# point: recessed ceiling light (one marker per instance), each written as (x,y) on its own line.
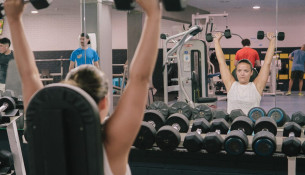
(256,7)
(34,12)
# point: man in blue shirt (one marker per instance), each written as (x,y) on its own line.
(297,70)
(84,54)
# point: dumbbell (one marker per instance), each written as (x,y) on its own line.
(264,140)
(152,122)
(291,146)
(193,141)
(202,111)
(154,118)
(6,104)
(278,115)
(169,5)
(159,106)
(261,35)
(220,113)
(181,108)
(298,117)
(256,113)
(168,137)
(209,36)
(38,4)
(236,113)
(213,141)
(236,142)
(6,162)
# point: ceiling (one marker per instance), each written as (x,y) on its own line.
(59,7)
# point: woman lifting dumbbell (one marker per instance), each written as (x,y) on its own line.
(243,94)
(121,128)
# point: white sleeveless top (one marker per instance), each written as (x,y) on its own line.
(107,169)
(243,97)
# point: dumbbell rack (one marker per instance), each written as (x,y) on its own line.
(14,142)
(290,160)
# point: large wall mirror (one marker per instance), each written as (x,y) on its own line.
(289,21)
(245,19)
(63,20)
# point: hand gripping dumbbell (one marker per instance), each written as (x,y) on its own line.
(298,117)
(236,141)
(169,5)
(256,113)
(152,122)
(261,35)
(264,140)
(278,115)
(202,111)
(209,36)
(236,113)
(291,146)
(38,4)
(6,104)
(193,141)
(213,141)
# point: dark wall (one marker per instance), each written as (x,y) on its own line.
(120,57)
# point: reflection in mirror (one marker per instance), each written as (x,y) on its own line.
(245,19)
(287,81)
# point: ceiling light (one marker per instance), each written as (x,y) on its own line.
(256,7)
(34,12)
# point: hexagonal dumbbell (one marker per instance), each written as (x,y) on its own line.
(202,111)
(193,141)
(278,115)
(152,122)
(213,141)
(236,141)
(264,140)
(291,146)
(168,137)
(236,113)
(219,113)
(256,113)
(298,117)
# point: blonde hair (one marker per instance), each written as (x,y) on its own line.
(90,79)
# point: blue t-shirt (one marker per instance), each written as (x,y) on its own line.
(298,60)
(78,55)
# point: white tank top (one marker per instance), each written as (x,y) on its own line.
(243,97)
(107,169)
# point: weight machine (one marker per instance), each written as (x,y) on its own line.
(190,56)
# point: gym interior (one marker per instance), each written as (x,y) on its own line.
(53,33)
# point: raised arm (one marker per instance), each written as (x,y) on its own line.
(122,127)
(24,57)
(261,80)
(226,75)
